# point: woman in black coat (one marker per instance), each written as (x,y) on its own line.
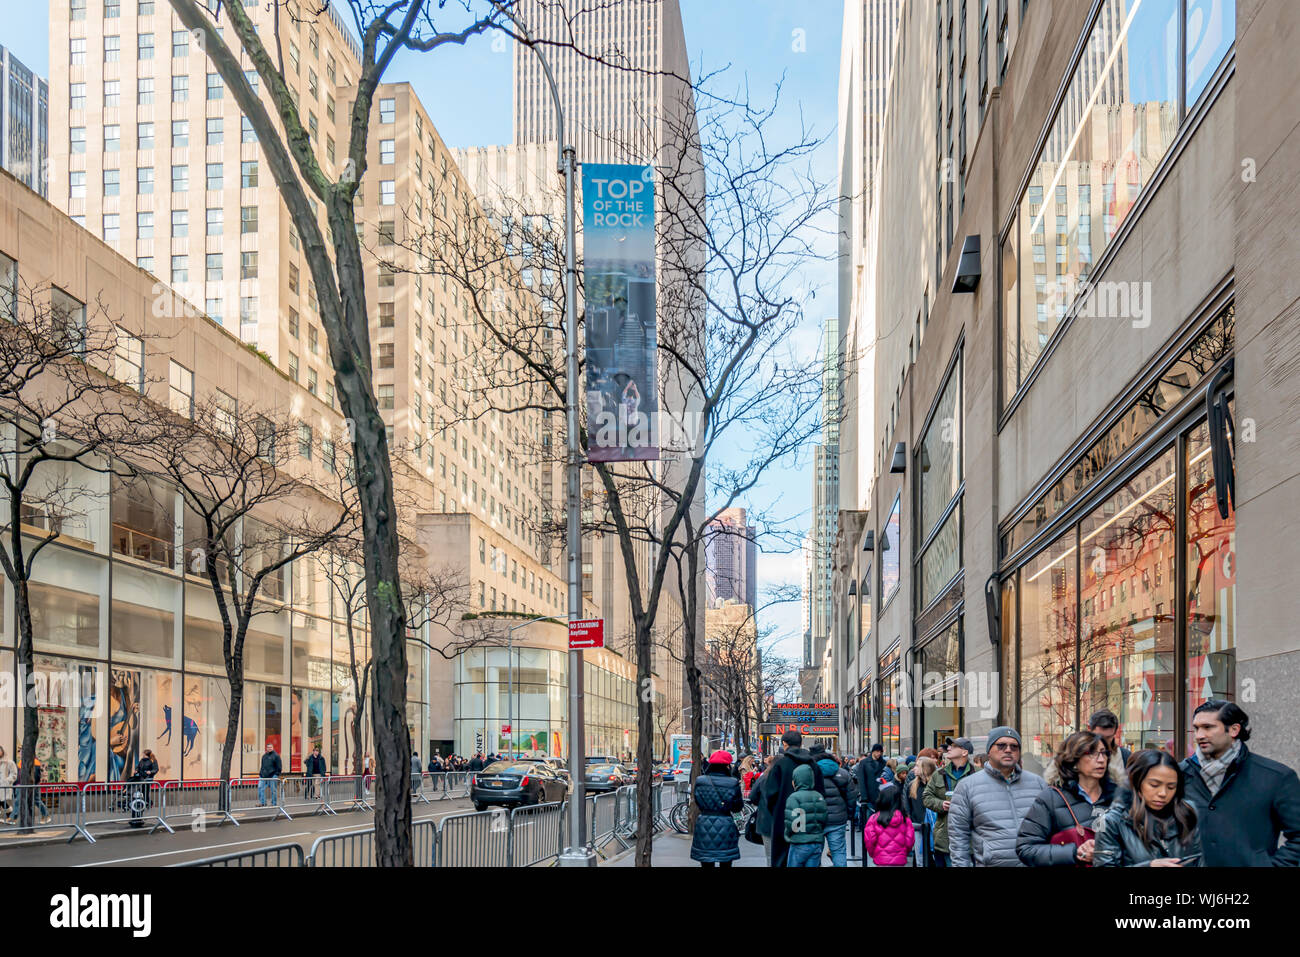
(717,794)
(1079,792)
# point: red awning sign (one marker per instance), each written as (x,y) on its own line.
(587,633)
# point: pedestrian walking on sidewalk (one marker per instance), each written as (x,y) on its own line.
(1061,827)
(938,792)
(889,833)
(988,807)
(841,798)
(778,785)
(1245,801)
(268,776)
(1151,824)
(805,819)
(716,840)
(914,807)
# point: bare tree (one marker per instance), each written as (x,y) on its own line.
(338,270)
(62,413)
(251,511)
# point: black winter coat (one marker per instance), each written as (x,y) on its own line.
(271,766)
(867,773)
(1258,802)
(716,837)
(1050,814)
(777,788)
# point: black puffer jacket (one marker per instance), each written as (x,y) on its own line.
(841,792)
(716,838)
(1051,814)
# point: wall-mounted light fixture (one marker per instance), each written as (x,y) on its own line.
(968,266)
(900,458)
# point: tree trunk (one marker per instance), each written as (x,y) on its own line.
(644,746)
(235,677)
(374,483)
(26,806)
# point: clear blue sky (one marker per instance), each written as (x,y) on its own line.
(467,93)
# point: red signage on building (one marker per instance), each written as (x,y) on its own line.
(587,633)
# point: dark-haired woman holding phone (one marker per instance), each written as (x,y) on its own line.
(1158,827)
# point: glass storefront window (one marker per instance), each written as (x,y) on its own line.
(890,549)
(940,561)
(1211,584)
(890,711)
(938,457)
(66,597)
(145,612)
(1211,31)
(939,690)
(1048,593)
(1117,119)
(1127,559)
(143,518)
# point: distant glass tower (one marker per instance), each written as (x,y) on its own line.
(24,123)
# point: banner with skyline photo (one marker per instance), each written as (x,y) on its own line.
(619,274)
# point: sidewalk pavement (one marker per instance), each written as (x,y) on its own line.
(674,850)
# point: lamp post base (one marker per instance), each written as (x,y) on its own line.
(578,857)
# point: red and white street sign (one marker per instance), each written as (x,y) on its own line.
(505,729)
(587,633)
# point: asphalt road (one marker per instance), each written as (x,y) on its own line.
(129,848)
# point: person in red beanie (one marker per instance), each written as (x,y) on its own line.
(716,841)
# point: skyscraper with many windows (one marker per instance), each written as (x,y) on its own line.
(24,123)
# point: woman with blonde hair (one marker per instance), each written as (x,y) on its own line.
(915,806)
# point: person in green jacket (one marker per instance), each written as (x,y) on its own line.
(938,792)
(805,820)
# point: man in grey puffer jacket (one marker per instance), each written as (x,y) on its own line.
(988,807)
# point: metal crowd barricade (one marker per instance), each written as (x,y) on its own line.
(474,839)
(305,793)
(424,841)
(191,798)
(277,855)
(418,795)
(536,834)
(349,849)
(344,792)
(33,809)
(367,791)
(603,812)
(133,803)
(248,795)
(456,784)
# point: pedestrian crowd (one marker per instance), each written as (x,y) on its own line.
(1097,804)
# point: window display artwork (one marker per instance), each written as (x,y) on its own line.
(123,724)
(86,743)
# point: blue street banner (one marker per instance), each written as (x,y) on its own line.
(619,280)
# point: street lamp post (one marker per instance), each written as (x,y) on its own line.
(579,853)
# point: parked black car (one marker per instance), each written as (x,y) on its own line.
(606,777)
(516,783)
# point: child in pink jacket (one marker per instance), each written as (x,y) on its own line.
(889,834)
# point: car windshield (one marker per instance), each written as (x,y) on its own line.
(508,767)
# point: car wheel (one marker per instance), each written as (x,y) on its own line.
(480,806)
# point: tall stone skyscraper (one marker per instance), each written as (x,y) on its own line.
(619,68)
(24,123)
